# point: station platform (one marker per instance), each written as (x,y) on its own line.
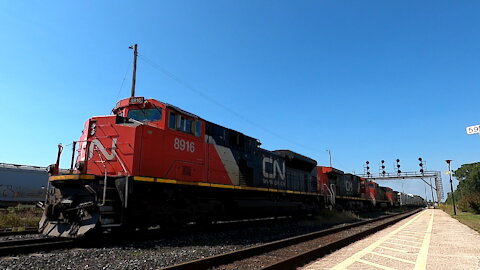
(430,239)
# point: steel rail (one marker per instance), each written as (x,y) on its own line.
(10,232)
(227,258)
(32,245)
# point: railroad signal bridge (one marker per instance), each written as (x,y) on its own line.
(437,175)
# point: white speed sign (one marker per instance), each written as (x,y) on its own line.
(473,129)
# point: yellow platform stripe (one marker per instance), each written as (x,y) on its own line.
(392,257)
(375,265)
(418,237)
(422,257)
(411,241)
(71,177)
(393,249)
(399,244)
(357,256)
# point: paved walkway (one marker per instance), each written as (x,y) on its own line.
(430,239)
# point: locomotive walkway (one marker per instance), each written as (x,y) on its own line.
(430,239)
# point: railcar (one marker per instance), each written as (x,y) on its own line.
(22,184)
(410,200)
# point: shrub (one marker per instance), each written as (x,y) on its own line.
(470,202)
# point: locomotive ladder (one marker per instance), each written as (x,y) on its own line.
(330,196)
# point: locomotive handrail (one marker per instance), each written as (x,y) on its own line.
(332,197)
(104,180)
(126,177)
(332,186)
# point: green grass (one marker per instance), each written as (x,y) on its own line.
(470,219)
(20,217)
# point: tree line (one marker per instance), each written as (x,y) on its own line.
(467,194)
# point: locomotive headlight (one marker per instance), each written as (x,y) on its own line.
(80,166)
(93,128)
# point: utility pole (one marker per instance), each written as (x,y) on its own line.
(451,186)
(330,155)
(134,75)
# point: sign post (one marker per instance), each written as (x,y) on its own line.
(451,186)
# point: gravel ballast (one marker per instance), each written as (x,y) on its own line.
(154,254)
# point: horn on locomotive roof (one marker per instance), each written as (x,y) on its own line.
(134,75)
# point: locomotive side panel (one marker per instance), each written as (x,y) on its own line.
(171,154)
(106,146)
(348,185)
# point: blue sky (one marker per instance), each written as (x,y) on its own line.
(370,80)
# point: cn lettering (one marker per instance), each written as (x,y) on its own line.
(276,169)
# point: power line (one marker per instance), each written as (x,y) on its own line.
(200,93)
(123,81)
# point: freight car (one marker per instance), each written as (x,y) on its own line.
(22,184)
(411,200)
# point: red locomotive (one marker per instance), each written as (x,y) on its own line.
(150,163)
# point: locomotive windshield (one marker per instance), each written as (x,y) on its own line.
(146,115)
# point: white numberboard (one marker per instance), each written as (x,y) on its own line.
(473,129)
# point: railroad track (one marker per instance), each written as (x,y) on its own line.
(28,230)
(13,247)
(295,251)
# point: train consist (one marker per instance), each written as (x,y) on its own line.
(22,184)
(151,163)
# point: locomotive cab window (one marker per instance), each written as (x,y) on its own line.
(146,115)
(184,124)
(172,120)
(198,128)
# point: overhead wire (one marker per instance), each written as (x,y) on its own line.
(205,96)
(124,77)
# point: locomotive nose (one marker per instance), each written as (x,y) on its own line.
(70,215)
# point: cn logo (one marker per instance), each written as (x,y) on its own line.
(102,149)
(276,169)
(349,186)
